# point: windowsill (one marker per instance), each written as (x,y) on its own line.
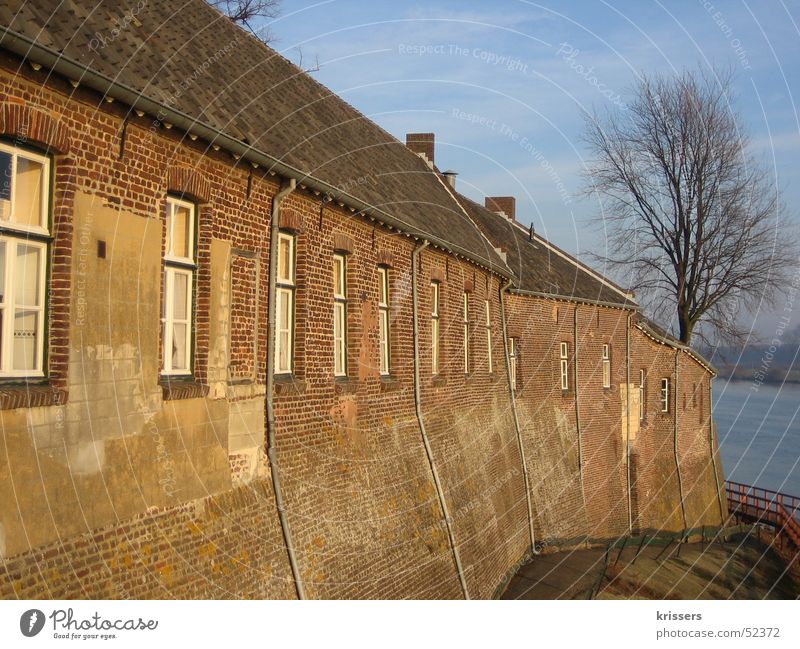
(566,393)
(30,395)
(285,384)
(389,383)
(438,381)
(346,384)
(175,388)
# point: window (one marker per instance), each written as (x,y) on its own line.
(339,315)
(383,308)
(434,328)
(563,356)
(642,380)
(512,358)
(664,395)
(606,367)
(465,324)
(700,412)
(24,216)
(489,335)
(284,301)
(179,275)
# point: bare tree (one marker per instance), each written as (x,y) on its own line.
(245,11)
(691,217)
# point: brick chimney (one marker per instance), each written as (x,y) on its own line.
(422,144)
(503,205)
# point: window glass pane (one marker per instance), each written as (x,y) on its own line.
(26,275)
(338,264)
(6,166)
(384,289)
(28,199)
(384,350)
(283,310)
(5,175)
(2,272)
(179,356)
(25,340)
(285,259)
(181,231)
(180,294)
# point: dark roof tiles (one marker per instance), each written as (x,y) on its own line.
(189,57)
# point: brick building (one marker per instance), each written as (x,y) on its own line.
(253,346)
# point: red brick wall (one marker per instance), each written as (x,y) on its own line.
(362,506)
(547,417)
(656,493)
(603,449)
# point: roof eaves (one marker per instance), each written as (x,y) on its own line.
(34,52)
(671,342)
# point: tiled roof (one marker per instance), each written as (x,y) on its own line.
(189,57)
(541,267)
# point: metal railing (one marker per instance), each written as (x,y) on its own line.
(764,506)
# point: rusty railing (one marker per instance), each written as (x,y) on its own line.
(766,507)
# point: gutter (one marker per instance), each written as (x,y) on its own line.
(713,449)
(33,51)
(448,521)
(512,392)
(677,457)
(287,187)
(571,298)
(578,411)
(628,426)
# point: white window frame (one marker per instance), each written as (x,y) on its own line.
(465,324)
(563,356)
(13,235)
(642,380)
(340,316)
(435,307)
(384,331)
(15,153)
(665,395)
(9,306)
(488,309)
(606,366)
(285,286)
(512,360)
(174,266)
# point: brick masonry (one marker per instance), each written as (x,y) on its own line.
(116,483)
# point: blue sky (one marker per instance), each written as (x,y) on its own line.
(503,84)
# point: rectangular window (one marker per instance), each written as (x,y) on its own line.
(564,362)
(606,367)
(465,324)
(512,358)
(284,302)
(489,336)
(24,210)
(434,328)
(700,411)
(664,395)
(339,315)
(383,309)
(642,380)
(179,279)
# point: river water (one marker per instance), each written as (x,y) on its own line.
(759,433)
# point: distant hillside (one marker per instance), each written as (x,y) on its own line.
(764,363)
